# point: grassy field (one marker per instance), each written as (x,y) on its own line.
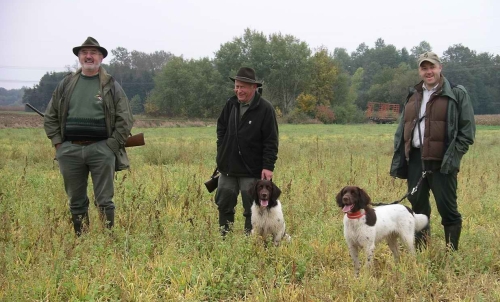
(166,246)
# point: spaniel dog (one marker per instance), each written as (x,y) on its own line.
(365,226)
(267,216)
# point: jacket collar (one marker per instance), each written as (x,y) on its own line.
(447,90)
(254,103)
(443,89)
(104,76)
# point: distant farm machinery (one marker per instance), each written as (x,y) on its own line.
(382,113)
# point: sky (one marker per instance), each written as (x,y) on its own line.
(37,36)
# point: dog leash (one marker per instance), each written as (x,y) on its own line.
(413,191)
(424,172)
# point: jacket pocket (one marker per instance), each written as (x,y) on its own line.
(456,159)
(121,158)
(399,166)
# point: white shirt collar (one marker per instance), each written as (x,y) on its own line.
(433,88)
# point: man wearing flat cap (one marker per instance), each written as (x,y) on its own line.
(436,129)
(247,147)
(88,120)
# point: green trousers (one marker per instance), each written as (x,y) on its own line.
(76,162)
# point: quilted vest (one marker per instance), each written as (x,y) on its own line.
(435,140)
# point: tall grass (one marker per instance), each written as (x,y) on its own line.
(166,246)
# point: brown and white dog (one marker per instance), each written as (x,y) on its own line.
(267,215)
(365,226)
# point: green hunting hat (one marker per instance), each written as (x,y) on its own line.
(90,42)
(247,75)
(429,57)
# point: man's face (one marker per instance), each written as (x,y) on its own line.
(90,59)
(430,73)
(244,91)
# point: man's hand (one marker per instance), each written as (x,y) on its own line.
(57,146)
(266,174)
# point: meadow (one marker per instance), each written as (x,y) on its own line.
(166,246)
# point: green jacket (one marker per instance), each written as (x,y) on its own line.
(117,113)
(460,132)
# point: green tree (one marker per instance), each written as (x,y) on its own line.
(342,58)
(479,74)
(135,70)
(403,78)
(405,56)
(251,49)
(188,88)
(356,81)
(306,103)
(341,89)
(416,51)
(11,96)
(288,71)
(40,94)
(136,104)
(280,61)
(324,75)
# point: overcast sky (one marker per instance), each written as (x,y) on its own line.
(37,36)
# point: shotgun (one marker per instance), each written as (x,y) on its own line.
(132,140)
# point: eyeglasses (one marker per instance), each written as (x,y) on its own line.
(88,52)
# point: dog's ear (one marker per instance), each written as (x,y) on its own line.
(252,191)
(339,198)
(371,217)
(364,199)
(276,192)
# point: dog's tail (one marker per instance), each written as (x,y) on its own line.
(421,221)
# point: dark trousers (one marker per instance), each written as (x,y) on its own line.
(226,198)
(443,187)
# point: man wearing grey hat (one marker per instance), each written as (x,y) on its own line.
(436,129)
(88,120)
(247,147)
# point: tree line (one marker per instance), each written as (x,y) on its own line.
(331,86)
(10,97)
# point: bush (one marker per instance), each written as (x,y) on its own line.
(306,103)
(348,114)
(299,117)
(325,114)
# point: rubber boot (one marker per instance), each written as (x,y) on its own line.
(248,225)
(107,216)
(80,223)
(225,223)
(422,238)
(452,235)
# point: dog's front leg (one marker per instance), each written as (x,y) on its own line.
(353,251)
(370,250)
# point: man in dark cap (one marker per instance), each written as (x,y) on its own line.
(247,147)
(436,129)
(88,120)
